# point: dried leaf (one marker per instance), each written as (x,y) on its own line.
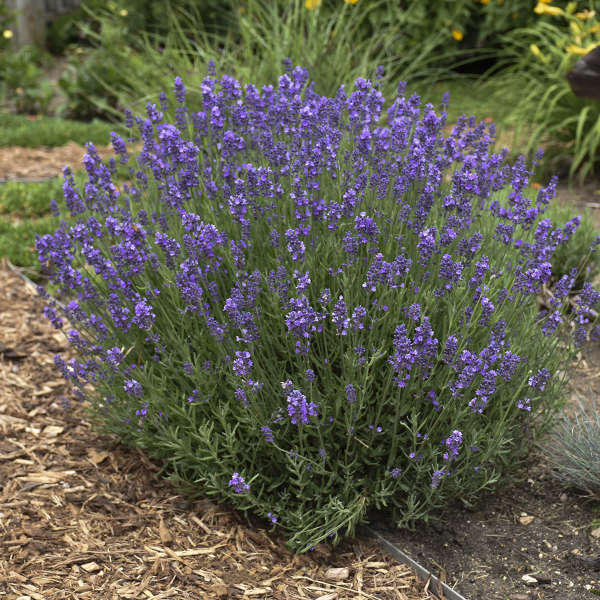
(52,430)
(47,476)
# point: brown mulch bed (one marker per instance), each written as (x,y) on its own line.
(82,517)
(17,162)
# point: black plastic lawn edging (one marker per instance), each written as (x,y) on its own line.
(433,583)
(33,284)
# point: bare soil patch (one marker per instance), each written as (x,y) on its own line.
(83,517)
(18,162)
(582,196)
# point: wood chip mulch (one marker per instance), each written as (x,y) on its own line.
(20,163)
(83,517)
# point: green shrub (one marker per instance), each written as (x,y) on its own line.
(337,41)
(127,54)
(21,80)
(6,21)
(308,310)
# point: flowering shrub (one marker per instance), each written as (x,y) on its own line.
(309,306)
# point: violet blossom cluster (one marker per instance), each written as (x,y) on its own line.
(277,234)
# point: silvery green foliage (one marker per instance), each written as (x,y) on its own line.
(309,306)
(573,447)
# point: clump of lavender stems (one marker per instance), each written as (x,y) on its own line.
(331,299)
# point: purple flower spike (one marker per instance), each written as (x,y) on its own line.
(238,484)
(268,434)
(295,245)
(436,478)
(242,364)
(453,444)
(299,410)
(350,393)
(540,379)
(179,90)
(133,388)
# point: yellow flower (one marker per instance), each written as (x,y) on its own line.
(595,29)
(545,1)
(586,14)
(544,9)
(457,35)
(123,12)
(7,34)
(484,1)
(350,1)
(311,4)
(535,50)
(573,49)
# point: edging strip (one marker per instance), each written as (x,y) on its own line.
(17,271)
(437,586)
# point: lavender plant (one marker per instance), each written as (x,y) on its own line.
(309,307)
